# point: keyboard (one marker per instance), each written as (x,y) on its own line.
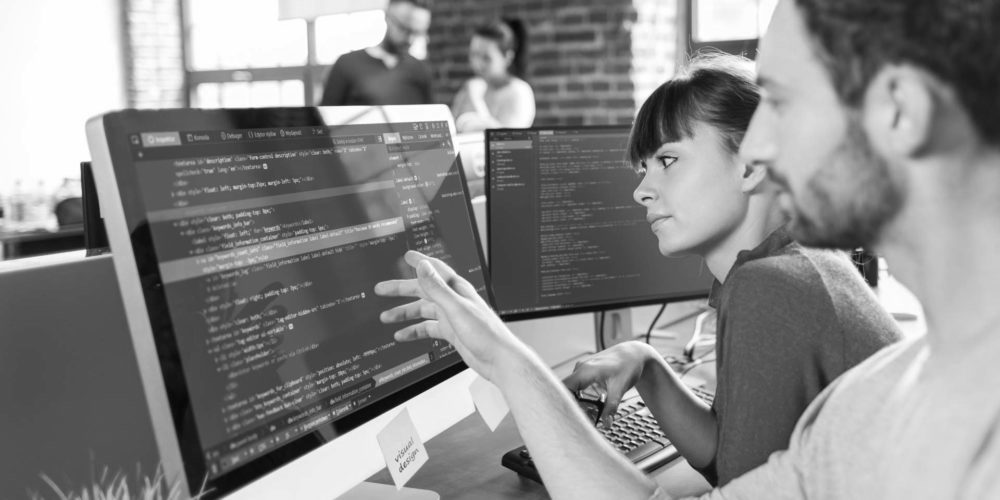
(634,432)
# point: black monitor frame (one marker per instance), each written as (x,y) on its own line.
(624,303)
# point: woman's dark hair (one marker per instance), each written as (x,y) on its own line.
(715,89)
(510,35)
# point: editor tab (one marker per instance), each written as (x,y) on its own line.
(160,139)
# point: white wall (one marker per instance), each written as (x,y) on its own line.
(62,63)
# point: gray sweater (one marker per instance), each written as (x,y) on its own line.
(790,320)
(911,422)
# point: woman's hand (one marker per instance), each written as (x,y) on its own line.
(452,311)
(614,370)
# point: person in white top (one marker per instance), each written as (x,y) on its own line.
(881,121)
(496,96)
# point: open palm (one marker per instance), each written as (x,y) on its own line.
(451,310)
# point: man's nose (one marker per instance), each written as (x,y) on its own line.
(758,147)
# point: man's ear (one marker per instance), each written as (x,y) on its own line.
(753,175)
(900,110)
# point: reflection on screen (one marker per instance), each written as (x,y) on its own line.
(564,232)
(268,242)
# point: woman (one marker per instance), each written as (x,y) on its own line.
(496,96)
(789,319)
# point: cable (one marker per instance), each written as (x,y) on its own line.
(699,324)
(601,344)
(700,360)
(649,332)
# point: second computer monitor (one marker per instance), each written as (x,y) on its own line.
(565,235)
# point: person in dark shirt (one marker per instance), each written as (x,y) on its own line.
(387,73)
(789,319)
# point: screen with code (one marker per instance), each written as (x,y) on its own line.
(259,237)
(565,235)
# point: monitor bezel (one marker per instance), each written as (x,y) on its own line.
(180,451)
(576,309)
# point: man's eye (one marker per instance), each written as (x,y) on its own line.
(773,103)
(666,160)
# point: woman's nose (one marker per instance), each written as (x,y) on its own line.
(643,194)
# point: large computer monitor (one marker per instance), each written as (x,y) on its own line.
(247,244)
(564,233)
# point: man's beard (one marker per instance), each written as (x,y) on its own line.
(853,197)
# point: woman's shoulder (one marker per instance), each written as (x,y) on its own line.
(472,82)
(786,286)
(790,271)
(812,288)
(775,301)
(519,86)
(520,83)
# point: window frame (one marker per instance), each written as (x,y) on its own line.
(310,74)
(746,47)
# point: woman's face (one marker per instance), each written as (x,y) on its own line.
(692,192)
(487,60)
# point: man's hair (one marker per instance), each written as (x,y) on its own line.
(956,41)
(423,4)
(715,89)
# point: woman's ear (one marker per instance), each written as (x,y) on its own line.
(753,175)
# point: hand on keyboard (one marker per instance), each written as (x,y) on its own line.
(614,371)
(634,432)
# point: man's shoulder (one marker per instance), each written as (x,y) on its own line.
(413,65)
(888,363)
(866,384)
(354,57)
(356,60)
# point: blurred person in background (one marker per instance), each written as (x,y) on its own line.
(392,72)
(496,96)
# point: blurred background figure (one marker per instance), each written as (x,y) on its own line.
(392,72)
(496,96)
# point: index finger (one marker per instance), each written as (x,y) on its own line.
(399,288)
(450,277)
(577,381)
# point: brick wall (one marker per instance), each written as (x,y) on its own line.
(154,48)
(589,61)
(654,46)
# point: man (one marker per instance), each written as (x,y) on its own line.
(882,121)
(387,73)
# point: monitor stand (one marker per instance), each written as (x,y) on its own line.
(617,329)
(375,491)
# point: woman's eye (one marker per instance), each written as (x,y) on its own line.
(666,160)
